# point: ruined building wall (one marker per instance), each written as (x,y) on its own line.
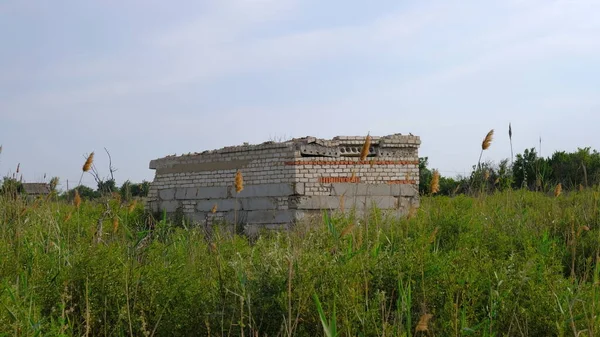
(284,182)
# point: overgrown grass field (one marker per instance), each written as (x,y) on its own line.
(515,263)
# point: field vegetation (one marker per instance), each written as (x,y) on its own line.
(511,250)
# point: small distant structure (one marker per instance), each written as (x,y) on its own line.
(36,189)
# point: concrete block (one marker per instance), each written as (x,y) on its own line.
(408,190)
(258,203)
(349,189)
(404,190)
(169,206)
(153,206)
(212,192)
(318,202)
(180,193)
(314,202)
(223,205)
(265,190)
(387,202)
(299,188)
(197,218)
(167,194)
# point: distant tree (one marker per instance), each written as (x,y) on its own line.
(11,187)
(129,190)
(140,190)
(450,186)
(106,186)
(53,184)
(531,171)
(425,175)
(577,168)
(125,191)
(84,192)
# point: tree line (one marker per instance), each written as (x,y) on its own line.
(572,170)
(128,190)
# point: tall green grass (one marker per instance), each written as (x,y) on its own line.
(515,263)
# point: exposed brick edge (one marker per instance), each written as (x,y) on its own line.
(363,162)
(331,180)
(405,181)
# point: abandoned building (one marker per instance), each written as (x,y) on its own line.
(284,182)
(36,189)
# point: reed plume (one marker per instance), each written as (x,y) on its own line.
(365,149)
(87,165)
(239,182)
(423,324)
(487,141)
(88,162)
(115,224)
(132,205)
(77,199)
(558,190)
(347,230)
(342,201)
(18,167)
(512,156)
(433,235)
(434,186)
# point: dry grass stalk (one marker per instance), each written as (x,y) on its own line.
(558,190)
(213,247)
(581,229)
(434,186)
(365,149)
(342,202)
(347,230)
(456,189)
(423,325)
(0,149)
(580,187)
(214,209)
(77,199)
(18,167)
(88,162)
(239,182)
(412,211)
(115,224)
(433,235)
(372,162)
(486,175)
(68,217)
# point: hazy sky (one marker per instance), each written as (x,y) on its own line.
(150,78)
